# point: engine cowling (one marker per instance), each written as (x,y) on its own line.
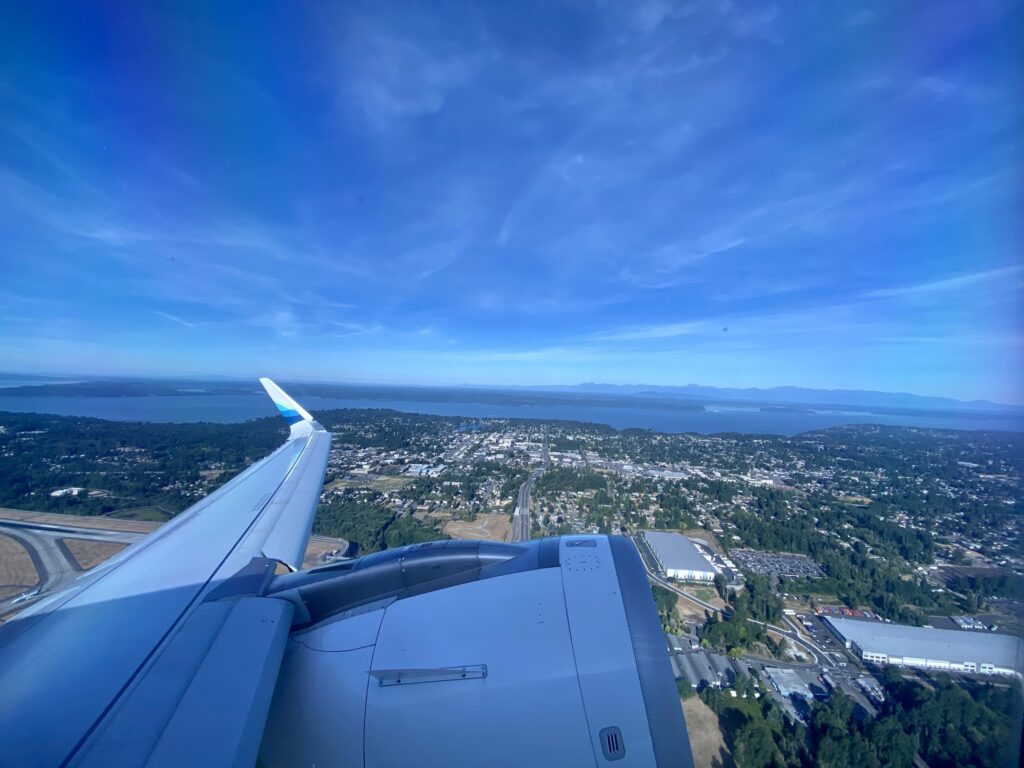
(461,653)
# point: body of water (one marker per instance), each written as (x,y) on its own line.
(725,418)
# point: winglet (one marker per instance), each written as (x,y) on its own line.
(298,418)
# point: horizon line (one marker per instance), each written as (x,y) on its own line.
(69,378)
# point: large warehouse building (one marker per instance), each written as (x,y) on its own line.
(952,650)
(678,556)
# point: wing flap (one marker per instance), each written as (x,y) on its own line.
(222,667)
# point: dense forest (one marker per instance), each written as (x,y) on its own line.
(944,723)
(164,468)
(743,622)
(868,573)
(358,516)
(123,465)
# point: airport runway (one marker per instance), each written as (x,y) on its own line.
(53,562)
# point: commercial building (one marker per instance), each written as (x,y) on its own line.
(788,683)
(950,650)
(679,557)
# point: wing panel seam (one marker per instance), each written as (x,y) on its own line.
(160,644)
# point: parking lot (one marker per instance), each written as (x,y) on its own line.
(717,562)
(776,564)
(820,634)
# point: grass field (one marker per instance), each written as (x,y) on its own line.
(17,574)
(143,514)
(706,594)
(89,554)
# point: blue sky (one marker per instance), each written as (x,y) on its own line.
(727,193)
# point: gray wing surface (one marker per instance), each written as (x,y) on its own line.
(168,654)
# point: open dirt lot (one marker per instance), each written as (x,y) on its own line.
(89,554)
(17,574)
(705,736)
(377,482)
(487,527)
(687,610)
(317,546)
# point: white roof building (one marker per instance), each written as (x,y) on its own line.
(678,556)
(952,650)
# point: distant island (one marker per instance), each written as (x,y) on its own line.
(785,410)
(179,388)
(801,395)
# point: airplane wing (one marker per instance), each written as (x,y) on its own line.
(203,646)
(168,653)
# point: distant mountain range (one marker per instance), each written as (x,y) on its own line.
(688,397)
(857,398)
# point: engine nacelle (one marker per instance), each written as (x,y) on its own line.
(458,653)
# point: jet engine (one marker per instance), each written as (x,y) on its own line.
(460,653)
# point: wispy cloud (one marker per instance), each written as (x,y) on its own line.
(175,319)
(756,22)
(861,18)
(955,283)
(402,68)
(936,86)
(665,266)
(283,323)
(604,195)
(645,332)
(537,355)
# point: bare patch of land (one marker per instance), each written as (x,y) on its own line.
(706,741)
(707,594)
(376,482)
(687,610)
(17,574)
(321,545)
(88,554)
(487,527)
(855,501)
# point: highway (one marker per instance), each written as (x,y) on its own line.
(521,517)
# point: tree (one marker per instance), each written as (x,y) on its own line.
(685,689)
(753,746)
(720,585)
